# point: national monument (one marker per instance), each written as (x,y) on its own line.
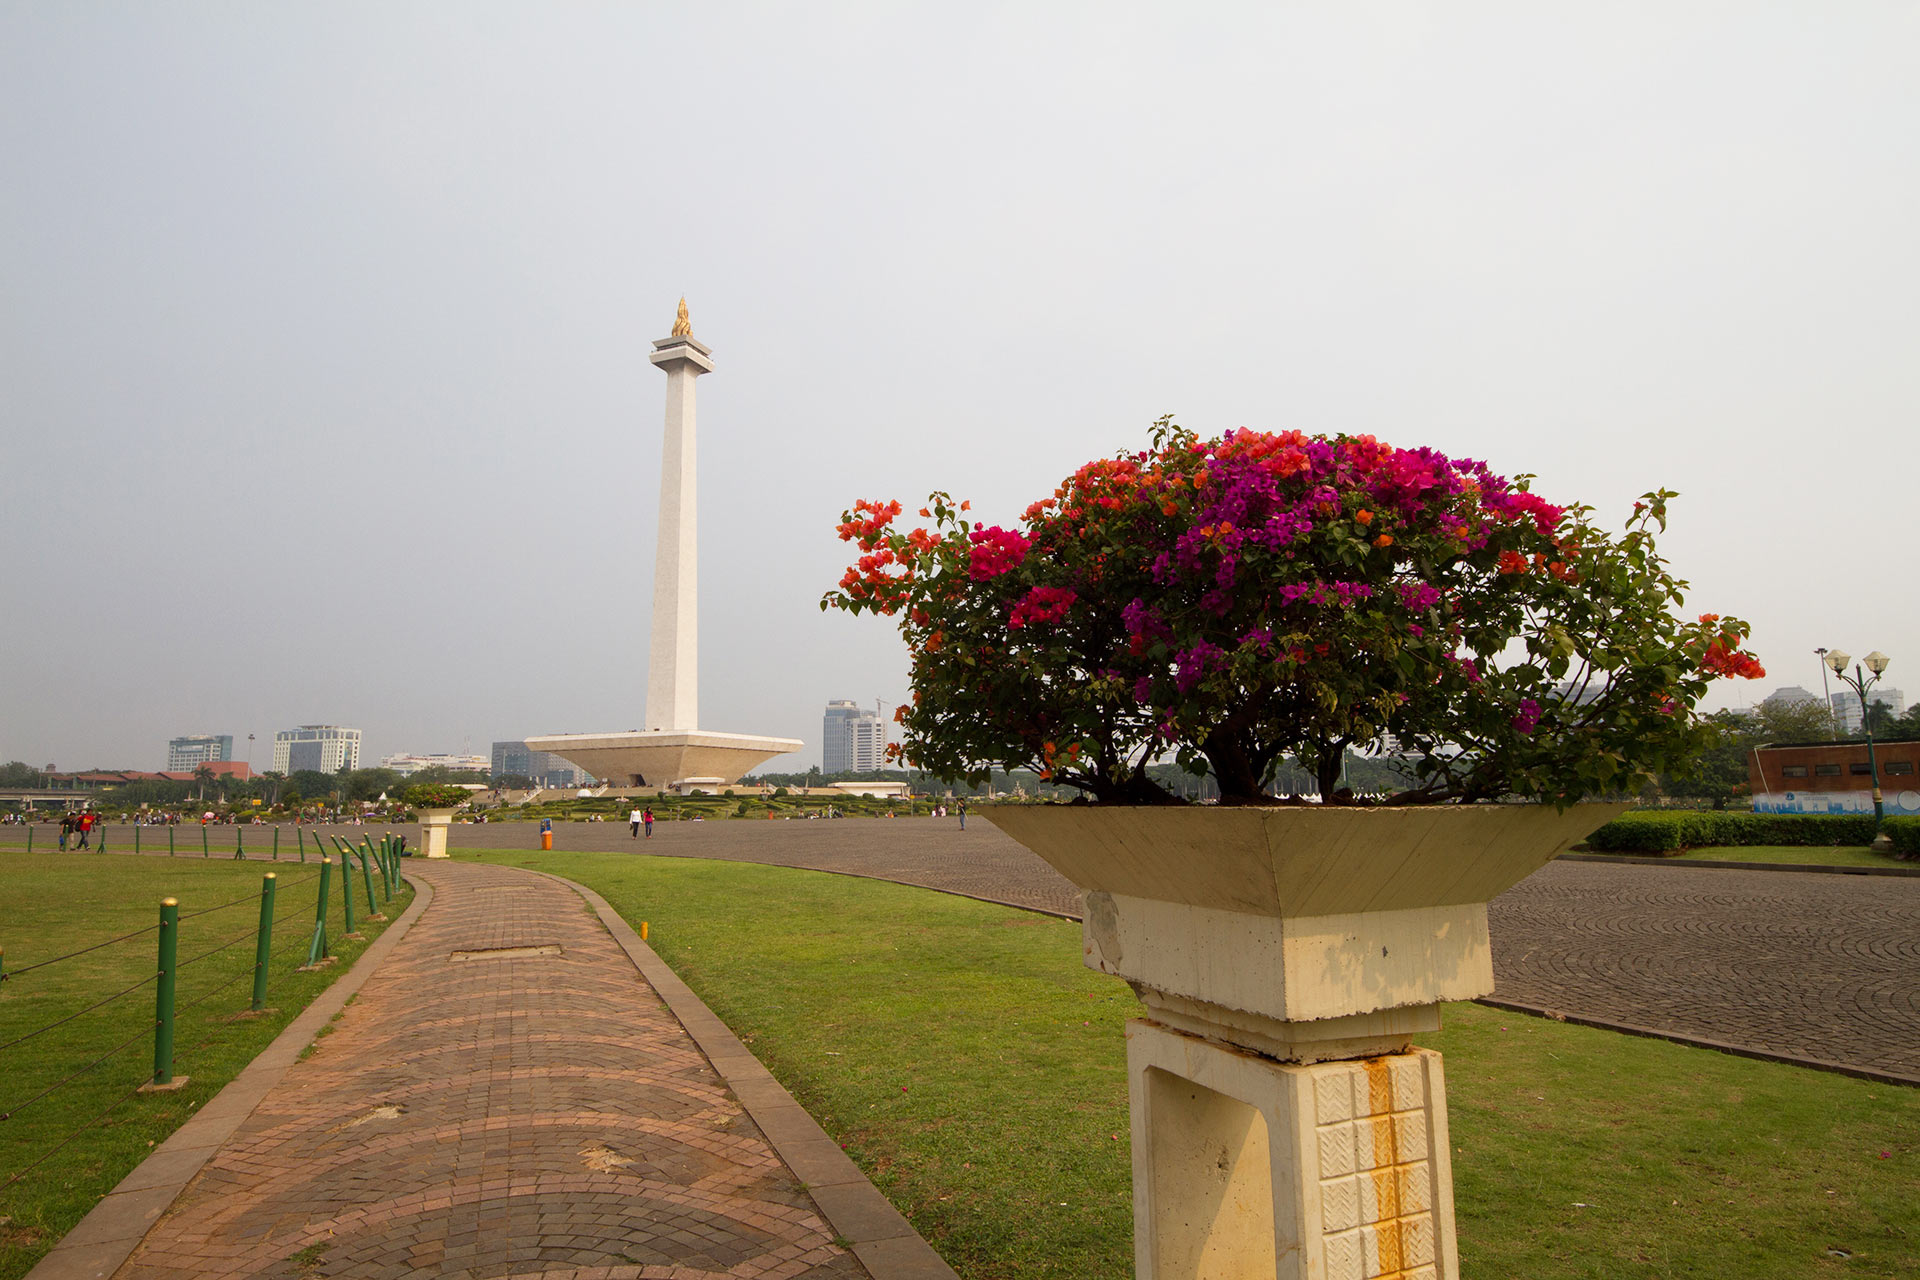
(672,749)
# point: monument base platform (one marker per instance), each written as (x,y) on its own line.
(661,757)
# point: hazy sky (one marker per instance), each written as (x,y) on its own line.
(323,328)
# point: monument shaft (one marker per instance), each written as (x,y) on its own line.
(673,666)
(672,749)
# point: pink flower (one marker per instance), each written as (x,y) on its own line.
(1529,716)
(995,551)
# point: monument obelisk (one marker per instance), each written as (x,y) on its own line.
(673,660)
(671,749)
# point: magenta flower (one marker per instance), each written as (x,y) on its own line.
(1529,716)
(995,551)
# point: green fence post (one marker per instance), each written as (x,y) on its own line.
(366,875)
(386,862)
(169,839)
(29,837)
(239,842)
(276,842)
(136,837)
(163,993)
(203,840)
(346,886)
(263,942)
(300,834)
(103,838)
(318,951)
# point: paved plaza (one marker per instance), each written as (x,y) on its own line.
(1809,965)
(509,1097)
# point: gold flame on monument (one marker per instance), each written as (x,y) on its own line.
(682,327)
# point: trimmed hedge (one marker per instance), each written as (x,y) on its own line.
(1670,832)
(1905,834)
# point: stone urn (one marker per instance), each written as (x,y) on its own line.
(1284,1126)
(433,832)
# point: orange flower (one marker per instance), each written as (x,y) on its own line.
(1384,540)
(1363,517)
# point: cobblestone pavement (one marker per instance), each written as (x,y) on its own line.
(498,1117)
(1820,966)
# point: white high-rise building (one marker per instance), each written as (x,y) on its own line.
(327,748)
(1846,707)
(853,739)
(192,750)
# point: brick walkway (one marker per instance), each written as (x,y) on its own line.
(500,1117)
(1818,966)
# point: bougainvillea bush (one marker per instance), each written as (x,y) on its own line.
(435,795)
(1237,602)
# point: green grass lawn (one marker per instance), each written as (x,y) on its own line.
(61,903)
(976,1071)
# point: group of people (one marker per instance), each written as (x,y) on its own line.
(640,819)
(76,829)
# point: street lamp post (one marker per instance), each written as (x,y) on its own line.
(1860,682)
(1826,694)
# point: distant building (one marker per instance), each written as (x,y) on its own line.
(513,760)
(192,750)
(327,748)
(852,739)
(1846,706)
(1834,777)
(878,790)
(406,764)
(1789,695)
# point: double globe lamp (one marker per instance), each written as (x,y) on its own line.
(1860,682)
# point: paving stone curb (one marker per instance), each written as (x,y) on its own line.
(884,1241)
(1824,868)
(1701,1042)
(103,1240)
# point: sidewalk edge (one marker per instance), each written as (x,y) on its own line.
(1728,864)
(1703,1042)
(877,1234)
(114,1228)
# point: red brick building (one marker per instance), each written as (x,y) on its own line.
(1833,777)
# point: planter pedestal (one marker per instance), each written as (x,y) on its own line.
(1245,1167)
(1284,1126)
(433,832)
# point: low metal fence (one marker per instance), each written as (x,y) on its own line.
(280,906)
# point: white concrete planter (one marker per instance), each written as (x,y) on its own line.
(1283,1124)
(433,832)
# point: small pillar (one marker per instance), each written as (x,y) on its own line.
(433,832)
(1247,1168)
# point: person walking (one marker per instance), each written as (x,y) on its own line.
(962,811)
(86,829)
(646,820)
(634,820)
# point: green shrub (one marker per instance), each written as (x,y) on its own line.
(435,795)
(1662,833)
(1905,834)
